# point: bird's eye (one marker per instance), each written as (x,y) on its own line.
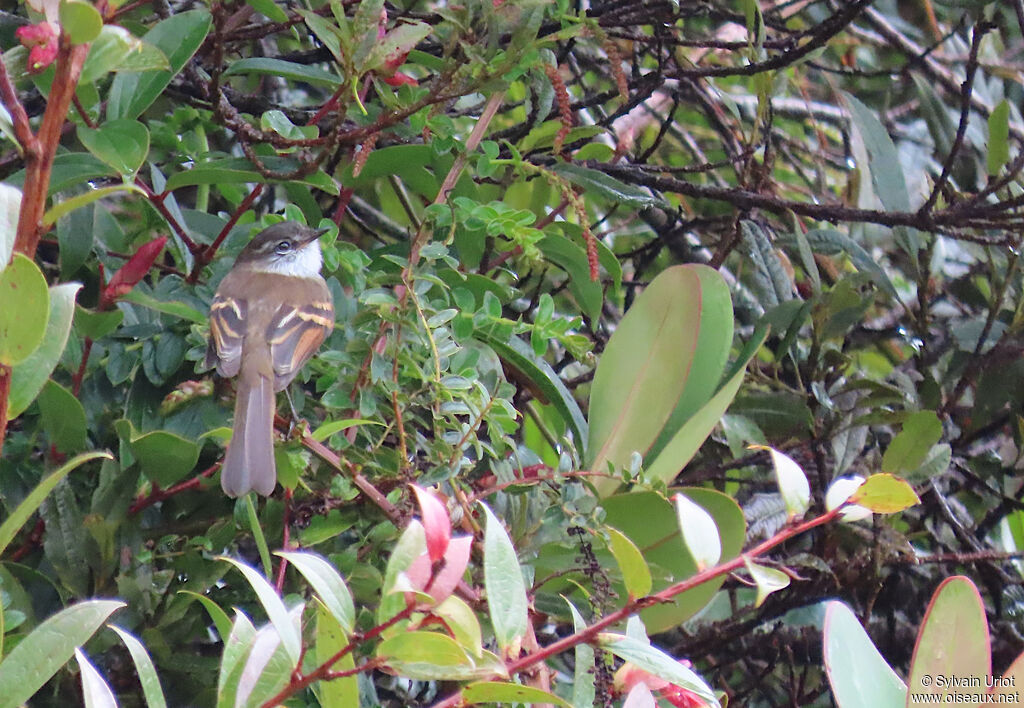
(283,247)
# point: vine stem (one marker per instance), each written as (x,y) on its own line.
(590,634)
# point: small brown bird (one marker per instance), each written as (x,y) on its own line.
(270,314)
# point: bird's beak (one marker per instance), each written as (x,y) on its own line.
(313,236)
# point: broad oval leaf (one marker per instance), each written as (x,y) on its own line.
(25,311)
(910,447)
(121,143)
(635,573)
(48,647)
(424,655)
(28,377)
(953,641)
(688,439)
(885,494)
(644,370)
(700,534)
(178,37)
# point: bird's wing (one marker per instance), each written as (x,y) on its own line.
(227,331)
(294,335)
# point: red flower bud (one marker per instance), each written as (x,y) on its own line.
(134,270)
(41,42)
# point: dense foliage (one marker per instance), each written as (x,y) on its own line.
(583,256)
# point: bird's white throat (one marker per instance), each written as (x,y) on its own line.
(303,263)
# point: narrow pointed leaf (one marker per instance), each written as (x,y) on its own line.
(273,605)
(657,662)
(700,534)
(48,647)
(768,580)
(95,691)
(327,583)
(503,580)
(635,573)
(144,668)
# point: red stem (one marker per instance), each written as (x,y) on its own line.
(589,634)
(323,671)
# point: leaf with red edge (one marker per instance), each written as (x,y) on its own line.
(436,523)
(456,558)
(134,270)
(953,640)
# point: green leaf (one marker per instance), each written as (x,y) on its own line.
(461,620)
(885,494)
(63,418)
(699,532)
(330,639)
(908,450)
(600,184)
(238,170)
(998,137)
(506,592)
(684,445)
(80,21)
(953,640)
(657,662)
(573,260)
(263,66)
(117,49)
(165,458)
(714,341)
(519,358)
(644,370)
(886,172)
(832,242)
(327,583)
(48,647)
(268,8)
(792,483)
(499,692)
(859,676)
(13,523)
(122,143)
(168,307)
(768,580)
(26,308)
(583,692)
(28,377)
(144,667)
(69,170)
(96,325)
(236,649)
(10,206)
(336,426)
(178,37)
(635,573)
(95,691)
(425,656)
(66,206)
(220,618)
(274,607)
(651,523)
